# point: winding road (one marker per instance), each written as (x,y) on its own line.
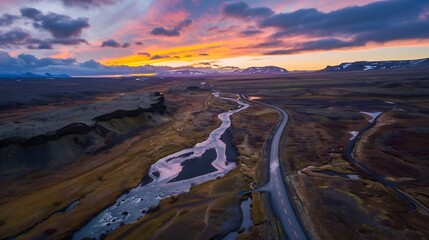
(372,173)
(280,199)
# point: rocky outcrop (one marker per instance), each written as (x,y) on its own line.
(49,140)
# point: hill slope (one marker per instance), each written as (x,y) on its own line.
(377,65)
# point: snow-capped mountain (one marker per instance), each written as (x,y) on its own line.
(186,73)
(262,70)
(379,65)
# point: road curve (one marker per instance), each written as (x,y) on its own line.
(393,186)
(280,199)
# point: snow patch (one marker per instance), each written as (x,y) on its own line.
(354,134)
(368,67)
(373,115)
(353,176)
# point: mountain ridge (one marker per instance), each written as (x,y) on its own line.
(262,70)
(377,65)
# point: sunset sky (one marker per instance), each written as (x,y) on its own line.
(87,37)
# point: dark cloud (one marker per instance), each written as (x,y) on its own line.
(60,26)
(91,64)
(7,19)
(32,13)
(323,44)
(222,30)
(161,31)
(138,43)
(114,44)
(47,43)
(63,28)
(13,37)
(27,61)
(144,54)
(18,37)
(86,4)
(251,32)
(41,45)
(203,54)
(68,41)
(111,43)
(30,63)
(183,24)
(69,66)
(158,57)
(6,60)
(378,22)
(242,10)
(269,44)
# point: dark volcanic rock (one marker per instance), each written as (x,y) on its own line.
(51,139)
(78,119)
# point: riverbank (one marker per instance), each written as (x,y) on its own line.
(167,179)
(98,180)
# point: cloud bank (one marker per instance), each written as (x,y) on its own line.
(69,66)
(378,22)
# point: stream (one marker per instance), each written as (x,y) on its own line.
(169,176)
(246,220)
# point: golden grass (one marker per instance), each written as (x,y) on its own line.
(98,180)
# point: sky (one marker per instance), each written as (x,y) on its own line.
(94,37)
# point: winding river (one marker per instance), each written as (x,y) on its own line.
(169,176)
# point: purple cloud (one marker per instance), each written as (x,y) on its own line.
(114,44)
(86,4)
(7,19)
(60,26)
(161,31)
(111,43)
(13,37)
(352,26)
(242,10)
(251,32)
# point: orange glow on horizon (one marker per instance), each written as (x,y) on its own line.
(230,54)
(188,53)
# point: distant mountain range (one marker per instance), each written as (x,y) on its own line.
(343,67)
(262,70)
(32,75)
(186,73)
(378,65)
(247,71)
